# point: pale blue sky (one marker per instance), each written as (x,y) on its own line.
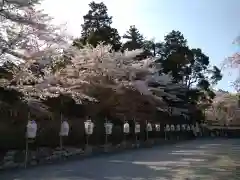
(210,25)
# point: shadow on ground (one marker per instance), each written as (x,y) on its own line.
(198,159)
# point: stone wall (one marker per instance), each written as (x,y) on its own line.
(16,159)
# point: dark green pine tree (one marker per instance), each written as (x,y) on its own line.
(134,38)
(188,66)
(97,28)
(152,48)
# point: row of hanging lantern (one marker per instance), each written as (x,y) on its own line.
(183,127)
(89,126)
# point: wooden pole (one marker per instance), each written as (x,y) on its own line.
(165,132)
(136,136)
(87,140)
(60,137)
(26,154)
(146,130)
(106,136)
(26,145)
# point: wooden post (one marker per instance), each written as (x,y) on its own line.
(106,135)
(26,153)
(136,137)
(60,137)
(146,130)
(87,140)
(26,145)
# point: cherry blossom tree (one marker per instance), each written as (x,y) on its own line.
(31,42)
(120,68)
(26,32)
(99,67)
(89,66)
(224,109)
(233,62)
(28,38)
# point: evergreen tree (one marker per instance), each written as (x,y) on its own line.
(97,28)
(135,40)
(151,47)
(188,66)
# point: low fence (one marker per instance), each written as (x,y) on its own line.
(222,131)
(44,155)
(118,140)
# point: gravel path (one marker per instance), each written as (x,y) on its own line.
(197,159)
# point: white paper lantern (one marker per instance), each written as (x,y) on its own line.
(126,128)
(192,127)
(203,124)
(89,125)
(157,127)
(137,128)
(64,130)
(167,127)
(188,128)
(178,127)
(31,129)
(197,124)
(149,127)
(197,127)
(108,128)
(183,127)
(172,127)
